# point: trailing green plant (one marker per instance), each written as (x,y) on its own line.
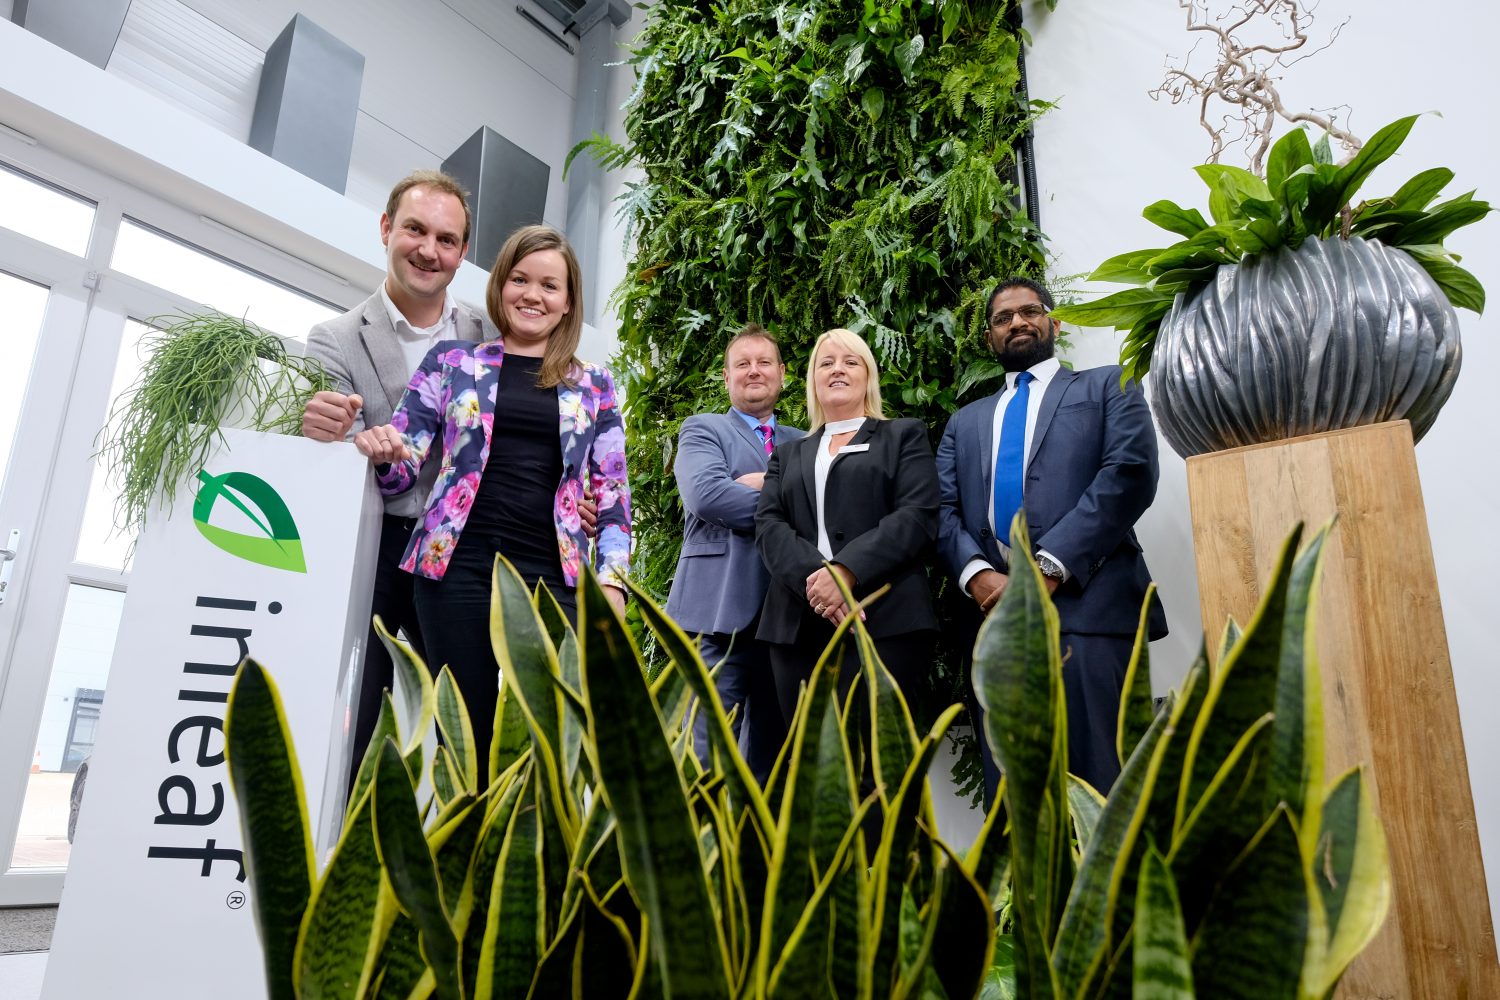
(591,855)
(809,165)
(198,366)
(1303,195)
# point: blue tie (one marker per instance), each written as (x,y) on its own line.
(1010,459)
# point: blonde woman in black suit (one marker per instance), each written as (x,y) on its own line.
(860,492)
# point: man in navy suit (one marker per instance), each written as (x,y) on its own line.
(1078,453)
(720,581)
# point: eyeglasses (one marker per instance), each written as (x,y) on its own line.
(1031,314)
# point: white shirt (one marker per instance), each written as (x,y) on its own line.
(820,474)
(1042,372)
(415,342)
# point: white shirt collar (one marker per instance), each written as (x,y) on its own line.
(403,325)
(1042,371)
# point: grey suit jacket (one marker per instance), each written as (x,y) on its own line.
(720,581)
(1090,476)
(360,351)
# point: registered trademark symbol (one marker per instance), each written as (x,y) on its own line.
(235,900)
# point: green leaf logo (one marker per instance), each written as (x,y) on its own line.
(281,548)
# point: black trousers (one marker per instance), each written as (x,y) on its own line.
(392,601)
(455,617)
(905,656)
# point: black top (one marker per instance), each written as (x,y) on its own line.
(514,505)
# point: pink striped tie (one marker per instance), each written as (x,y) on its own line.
(766,434)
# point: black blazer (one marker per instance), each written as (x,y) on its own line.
(881,506)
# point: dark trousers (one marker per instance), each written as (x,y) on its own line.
(1093,676)
(455,617)
(905,656)
(392,601)
(744,679)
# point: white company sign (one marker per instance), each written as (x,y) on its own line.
(270,553)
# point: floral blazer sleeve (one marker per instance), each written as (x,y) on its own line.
(452,394)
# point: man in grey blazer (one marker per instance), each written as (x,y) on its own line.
(1078,453)
(371,351)
(720,580)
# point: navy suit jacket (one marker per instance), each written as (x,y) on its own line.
(720,581)
(1091,475)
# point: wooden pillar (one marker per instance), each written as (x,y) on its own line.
(1388,695)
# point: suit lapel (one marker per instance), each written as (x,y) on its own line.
(570,417)
(1055,390)
(986,431)
(379,339)
(745,433)
(487,361)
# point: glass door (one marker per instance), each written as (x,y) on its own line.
(79,321)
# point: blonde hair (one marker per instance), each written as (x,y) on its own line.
(560,363)
(848,341)
(437,181)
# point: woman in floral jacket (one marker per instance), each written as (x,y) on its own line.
(552,426)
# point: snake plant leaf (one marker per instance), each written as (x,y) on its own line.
(511,949)
(683,656)
(408,863)
(418,695)
(385,726)
(896,841)
(1188,222)
(833,788)
(512,737)
(1254,937)
(893,735)
(403,972)
(849,953)
(1243,688)
(554,620)
(482,875)
(1291,152)
(554,970)
(446,783)
(1084,806)
(1228,638)
(804,965)
(575,716)
(1137,707)
(1083,936)
(915,976)
(1162,969)
(350,914)
(1351,869)
(267,783)
(637,775)
(965,928)
(1018,681)
(525,656)
(607,953)
(596,829)
(456,731)
(452,843)
(792,874)
(754,858)
(988,860)
(1295,774)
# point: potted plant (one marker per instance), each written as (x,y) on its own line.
(591,855)
(1294,309)
(203,371)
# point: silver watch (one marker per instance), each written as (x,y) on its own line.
(1050,567)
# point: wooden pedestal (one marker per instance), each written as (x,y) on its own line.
(1388,693)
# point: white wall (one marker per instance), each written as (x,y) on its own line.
(1108,150)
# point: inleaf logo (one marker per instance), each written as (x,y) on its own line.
(281,548)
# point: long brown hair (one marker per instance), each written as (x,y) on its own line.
(560,363)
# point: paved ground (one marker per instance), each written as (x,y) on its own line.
(42,837)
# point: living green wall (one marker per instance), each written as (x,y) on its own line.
(833,163)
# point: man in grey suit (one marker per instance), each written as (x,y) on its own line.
(720,581)
(371,352)
(1078,453)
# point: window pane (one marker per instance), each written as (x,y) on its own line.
(75,694)
(194,274)
(39,210)
(98,542)
(23,305)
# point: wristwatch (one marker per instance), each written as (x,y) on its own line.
(1050,567)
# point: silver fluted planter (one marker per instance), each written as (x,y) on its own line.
(1337,333)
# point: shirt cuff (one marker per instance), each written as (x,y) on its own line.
(1066,575)
(975,567)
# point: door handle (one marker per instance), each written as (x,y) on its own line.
(8,560)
